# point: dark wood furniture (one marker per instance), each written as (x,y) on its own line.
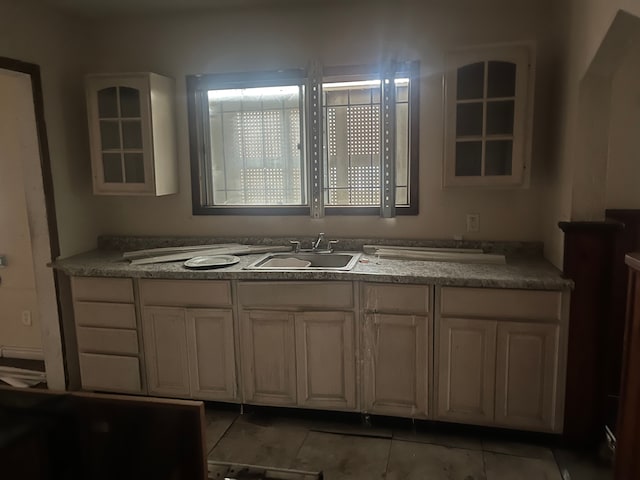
(588,261)
(627,460)
(100,437)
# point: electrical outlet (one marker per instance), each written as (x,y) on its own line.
(26,318)
(473,222)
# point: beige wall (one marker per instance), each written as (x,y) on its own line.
(576,186)
(623,172)
(31,32)
(18,286)
(227,41)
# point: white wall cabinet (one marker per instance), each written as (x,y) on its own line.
(132,134)
(397,339)
(488,116)
(501,357)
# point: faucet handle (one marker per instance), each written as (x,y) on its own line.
(332,244)
(295,245)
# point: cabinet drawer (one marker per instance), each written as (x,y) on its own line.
(107,340)
(110,372)
(110,315)
(501,303)
(296,294)
(102,289)
(396,298)
(185,293)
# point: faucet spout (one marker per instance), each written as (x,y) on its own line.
(316,244)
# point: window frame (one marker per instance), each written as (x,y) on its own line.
(197,87)
(413,69)
(198,124)
(522,55)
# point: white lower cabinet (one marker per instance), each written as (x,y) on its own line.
(211,349)
(527,375)
(190,352)
(505,370)
(165,347)
(466,370)
(397,349)
(396,364)
(299,358)
(326,360)
(268,358)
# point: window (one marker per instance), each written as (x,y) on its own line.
(252,142)
(488,111)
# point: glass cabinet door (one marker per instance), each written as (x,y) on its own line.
(487,113)
(120,126)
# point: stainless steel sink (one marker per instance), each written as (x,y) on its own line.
(305,261)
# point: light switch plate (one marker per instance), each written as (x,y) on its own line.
(3,261)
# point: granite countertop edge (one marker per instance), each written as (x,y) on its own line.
(519,273)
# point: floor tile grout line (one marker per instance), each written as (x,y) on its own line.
(223,434)
(292,464)
(386,467)
(484,466)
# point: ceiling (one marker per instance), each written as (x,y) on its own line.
(115,7)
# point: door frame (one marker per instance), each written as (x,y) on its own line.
(47,287)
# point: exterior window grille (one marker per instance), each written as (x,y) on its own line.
(250,145)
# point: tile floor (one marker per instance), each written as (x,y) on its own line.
(348,450)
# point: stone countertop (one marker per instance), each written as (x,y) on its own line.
(519,272)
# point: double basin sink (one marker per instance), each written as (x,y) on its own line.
(306,261)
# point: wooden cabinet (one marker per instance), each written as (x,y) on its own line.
(466,370)
(488,112)
(190,349)
(526,375)
(299,344)
(132,134)
(165,347)
(269,358)
(504,364)
(210,345)
(109,341)
(397,349)
(326,360)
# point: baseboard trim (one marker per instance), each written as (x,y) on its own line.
(25,353)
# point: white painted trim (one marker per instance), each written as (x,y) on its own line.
(22,352)
(39,231)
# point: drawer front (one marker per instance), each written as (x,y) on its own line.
(107,340)
(110,373)
(109,315)
(396,298)
(185,293)
(118,290)
(501,303)
(323,295)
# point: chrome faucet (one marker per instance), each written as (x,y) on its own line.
(315,245)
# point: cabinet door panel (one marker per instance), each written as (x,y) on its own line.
(165,346)
(527,371)
(466,370)
(325,351)
(396,367)
(211,354)
(268,366)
